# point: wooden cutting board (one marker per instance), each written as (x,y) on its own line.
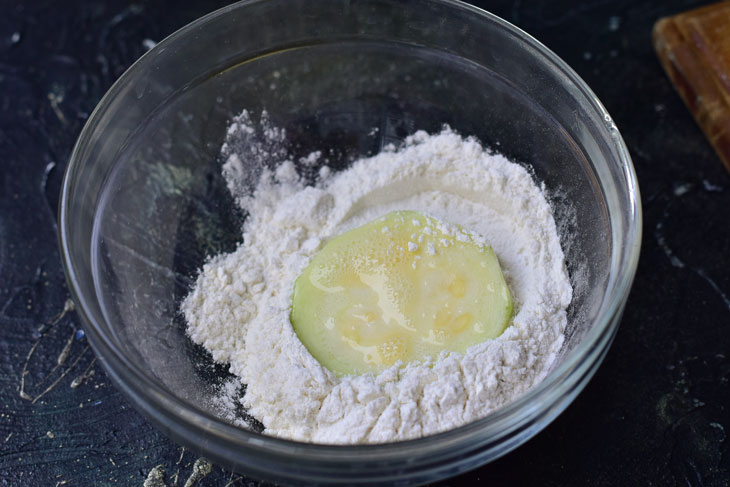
(694,49)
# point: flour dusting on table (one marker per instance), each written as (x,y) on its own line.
(239,306)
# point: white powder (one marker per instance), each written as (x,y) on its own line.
(239,307)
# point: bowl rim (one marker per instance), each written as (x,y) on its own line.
(482,431)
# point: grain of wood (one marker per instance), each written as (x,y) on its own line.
(694,50)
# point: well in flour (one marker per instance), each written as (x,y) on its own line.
(239,306)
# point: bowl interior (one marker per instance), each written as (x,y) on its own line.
(165,206)
(146,202)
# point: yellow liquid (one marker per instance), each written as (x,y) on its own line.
(398,289)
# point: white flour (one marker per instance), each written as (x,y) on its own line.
(239,307)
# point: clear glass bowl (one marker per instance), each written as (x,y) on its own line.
(143,201)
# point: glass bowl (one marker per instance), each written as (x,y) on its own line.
(144,204)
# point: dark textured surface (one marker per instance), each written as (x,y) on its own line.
(656,412)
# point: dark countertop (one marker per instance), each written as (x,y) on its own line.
(656,413)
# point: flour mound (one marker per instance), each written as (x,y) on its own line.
(239,306)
